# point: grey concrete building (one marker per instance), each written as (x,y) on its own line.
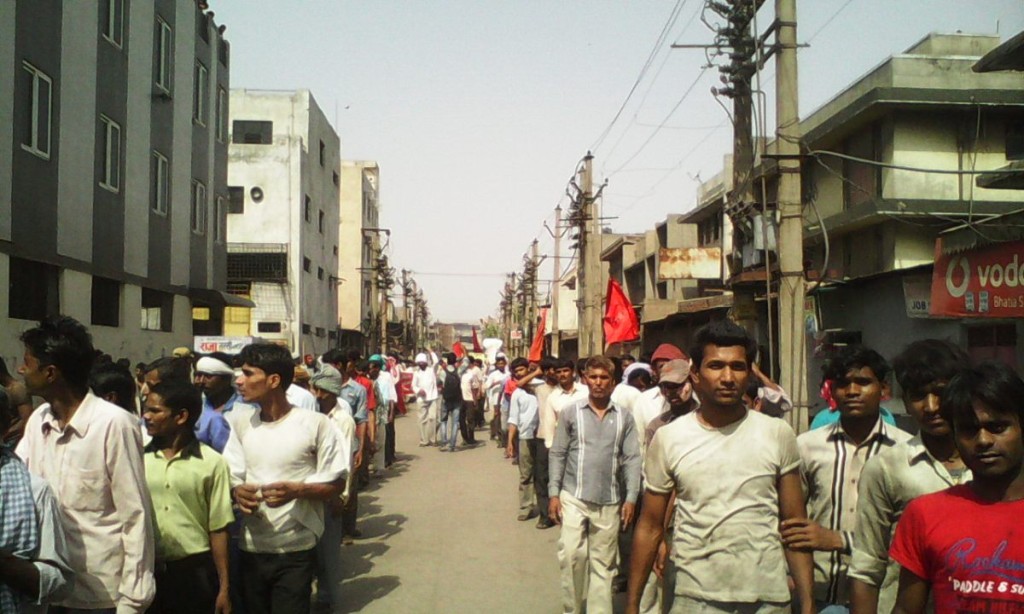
(113,165)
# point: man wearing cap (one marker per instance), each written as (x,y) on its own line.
(327,384)
(298,395)
(215,379)
(424,386)
(652,403)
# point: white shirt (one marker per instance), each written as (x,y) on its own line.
(425,380)
(493,385)
(94,465)
(386,386)
(626,396)
(558,400)
(302,446)
(470,384)
(649,405)
(301,398)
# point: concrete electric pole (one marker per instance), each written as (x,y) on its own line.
(792,343)
(591,333)
(557,235)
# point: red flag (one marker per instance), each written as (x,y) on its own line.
(476,342)
(620,321)
(537,347)
(458,350)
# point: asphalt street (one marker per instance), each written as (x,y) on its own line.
(440,535)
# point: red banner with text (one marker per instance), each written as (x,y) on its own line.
(980,283)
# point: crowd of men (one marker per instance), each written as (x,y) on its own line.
(736,513)
(210,483)
(230,483)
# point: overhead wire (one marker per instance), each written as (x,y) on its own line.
(643,71)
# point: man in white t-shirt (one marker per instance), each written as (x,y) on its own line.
(284,464)
(424,386)
(736,474)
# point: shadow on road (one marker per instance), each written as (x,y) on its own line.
(363,591)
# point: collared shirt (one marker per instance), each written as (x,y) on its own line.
(522,413)
(51,557)
(830,465)
(212,428)
(591,456)
(494,384)
(469,383)
(348,444)
(558,399)
(191,494)
(386,392)
(371,398)
(94,465)
(355,396)
(889,482)
(301,446)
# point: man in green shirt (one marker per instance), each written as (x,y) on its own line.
(191,489)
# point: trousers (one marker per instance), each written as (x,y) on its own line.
(428,422)
(527,498)
(539,452)
(587,555)
(278,583)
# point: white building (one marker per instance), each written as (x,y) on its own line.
(359,236)
(113,162)
(284,183)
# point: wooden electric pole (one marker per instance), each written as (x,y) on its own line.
(792,342)
(557,235)
(591,333)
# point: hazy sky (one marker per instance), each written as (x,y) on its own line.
(478,110)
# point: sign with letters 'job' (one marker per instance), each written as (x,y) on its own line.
(981,283)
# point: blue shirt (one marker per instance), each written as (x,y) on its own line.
(827,416)
(212,428)
(522,412)
(355,395)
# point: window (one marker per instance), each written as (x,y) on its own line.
(110,172)
(34,289)
(307,264)
(220,217)
(335,250)
(249,132)
(863,182)
(106,302)
(307,212)
(236,199)
(157,310)
(198,207)
(113,21)
(161,194)
(336,179)
(1015,141)
(164,50)
(367,292)
(37,136)
(306,329)
(323,153)
(268,327)
(201,93)
(320,272)
(222,114)
(320,221)
(321,332)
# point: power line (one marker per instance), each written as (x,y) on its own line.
(673,16)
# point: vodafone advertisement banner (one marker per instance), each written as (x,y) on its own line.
(981,283)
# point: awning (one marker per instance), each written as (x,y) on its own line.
(1007,56)
(217,298)
(983,231)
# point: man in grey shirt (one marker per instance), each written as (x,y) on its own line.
(595,453)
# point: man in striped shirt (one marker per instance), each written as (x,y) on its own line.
(595,452)
(831,460)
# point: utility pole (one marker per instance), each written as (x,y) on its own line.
(557,235)
(516,319)
(405,309)
(591,333)
(385,286)
(534,265)
(792,344)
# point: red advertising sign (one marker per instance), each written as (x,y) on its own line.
(981,283)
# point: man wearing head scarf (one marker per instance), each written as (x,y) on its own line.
(424,386)
(215,379)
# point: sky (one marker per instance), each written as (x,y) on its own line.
(478,111)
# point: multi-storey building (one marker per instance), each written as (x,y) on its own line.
(284,178)
(359,233)
(113,152)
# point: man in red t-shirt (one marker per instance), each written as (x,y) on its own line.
(966,544)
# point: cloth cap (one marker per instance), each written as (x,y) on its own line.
(675,371)
(667,351)
(181,352)
(327,379)
(377,358)
(636,366)
(421,357)
(213,366)
(301,374)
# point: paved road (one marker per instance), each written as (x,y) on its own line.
(440,535)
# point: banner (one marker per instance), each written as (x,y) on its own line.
(620,321)
(537,347)
(981,283)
